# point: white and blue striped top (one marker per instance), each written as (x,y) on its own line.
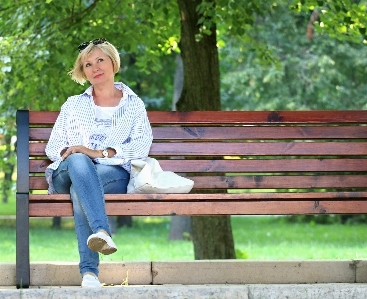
(130,134)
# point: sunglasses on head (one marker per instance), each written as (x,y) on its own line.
(97,41)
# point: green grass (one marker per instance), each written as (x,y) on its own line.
(273,238)
(256,238)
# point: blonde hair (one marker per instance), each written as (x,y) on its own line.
(77,73)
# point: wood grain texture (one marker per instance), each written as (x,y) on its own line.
(255,166)
(191,197)
(259,182)
(210,208)
(233,117)
(240,133)
(244,149)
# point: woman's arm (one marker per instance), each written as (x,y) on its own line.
(137,145)
(93,154)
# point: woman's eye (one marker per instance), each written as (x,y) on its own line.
(100,60)
(88,64)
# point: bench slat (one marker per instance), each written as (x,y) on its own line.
(258,182)
(210,208)
(246,165)
(255,117)
(287,196)
(244,149)
(240,133)
(230,117)
(259,149)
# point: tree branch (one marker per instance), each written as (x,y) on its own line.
(79,15)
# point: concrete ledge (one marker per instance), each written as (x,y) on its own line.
(67,273)
(197,272)
(251,291)
(238,272)
(361,271)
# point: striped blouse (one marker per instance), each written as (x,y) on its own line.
(130,133)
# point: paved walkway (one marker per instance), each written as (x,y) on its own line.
(250,291)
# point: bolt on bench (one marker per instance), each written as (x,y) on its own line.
(253,163)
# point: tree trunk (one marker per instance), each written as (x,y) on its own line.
(212,236)
(56,222)
(201,89)
(178,82)
(180,228)
(124,221)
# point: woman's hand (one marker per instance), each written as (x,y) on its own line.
(81,149)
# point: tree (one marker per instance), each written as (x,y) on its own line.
(201,70)
(212,236)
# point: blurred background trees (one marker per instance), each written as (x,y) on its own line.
(311,70)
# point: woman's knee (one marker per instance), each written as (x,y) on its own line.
(77,157)
(79,161)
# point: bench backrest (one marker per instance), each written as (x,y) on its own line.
(287,155)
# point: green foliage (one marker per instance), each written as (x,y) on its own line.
(39,41)
(321,73)
(8,208)
(343,20)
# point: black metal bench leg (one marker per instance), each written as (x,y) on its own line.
(22,242)
(22,204)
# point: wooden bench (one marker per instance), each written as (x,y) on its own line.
(255,163)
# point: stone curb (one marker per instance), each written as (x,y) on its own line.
(196,272)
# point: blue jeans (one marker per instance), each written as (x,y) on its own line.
(87,182)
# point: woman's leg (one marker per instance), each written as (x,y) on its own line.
(85,181)
(113,183)
(80,171)
(89,260)
(113,180)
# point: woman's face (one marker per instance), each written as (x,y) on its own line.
(98,67)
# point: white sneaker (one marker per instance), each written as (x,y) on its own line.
(102,243)
(90,281)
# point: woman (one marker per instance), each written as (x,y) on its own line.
(95,137)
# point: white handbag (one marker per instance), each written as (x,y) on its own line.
(147,176)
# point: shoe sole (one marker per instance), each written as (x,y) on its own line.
(100,245)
